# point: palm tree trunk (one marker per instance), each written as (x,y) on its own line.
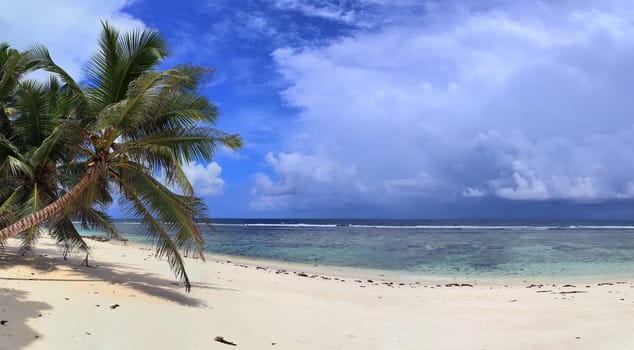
(50,210)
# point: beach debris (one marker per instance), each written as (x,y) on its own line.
(535,286)
(605,284)
(572,292)
(4,322)
(569,285)
(512,301)
(97,238)
(114,306)
(224,341)
(370,281)
(301,274)
(544,291)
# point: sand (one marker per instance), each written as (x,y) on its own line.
(129,299)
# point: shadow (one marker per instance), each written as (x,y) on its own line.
(16,310)
(47,260)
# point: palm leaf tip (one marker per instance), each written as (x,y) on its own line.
(233,141)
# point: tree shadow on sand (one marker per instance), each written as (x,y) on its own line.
(15,310)
(48,260)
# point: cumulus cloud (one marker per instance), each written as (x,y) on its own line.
(521,101)
(205,179)
(69,28)
(303,180)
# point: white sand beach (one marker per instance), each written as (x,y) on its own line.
(130,300)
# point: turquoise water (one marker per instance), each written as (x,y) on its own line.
(436,248)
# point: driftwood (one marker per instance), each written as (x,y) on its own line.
(224,341)
(97,238)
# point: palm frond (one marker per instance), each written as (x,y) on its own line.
(97,220)
(12,166)
(165,246)
(177,177)
(10,201)
(30,236)
(131,109)
(176,212)
(13,65)
(28,239)
(33,121)
(42,57)
(58,145)
(187,145)
(67,237)
(120,60)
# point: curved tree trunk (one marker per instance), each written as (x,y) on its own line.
(50,210)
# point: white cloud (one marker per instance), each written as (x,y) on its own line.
(69,28)
(598,167)
(316,9)
(205,179)
(527,100)
(302,180)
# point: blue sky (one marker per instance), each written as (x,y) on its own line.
(375,108)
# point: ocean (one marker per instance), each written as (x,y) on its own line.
(442,248)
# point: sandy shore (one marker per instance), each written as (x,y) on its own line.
(130,300)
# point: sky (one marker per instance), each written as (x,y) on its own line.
(470,109)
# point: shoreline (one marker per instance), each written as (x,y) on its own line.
(351,272)
(50,303)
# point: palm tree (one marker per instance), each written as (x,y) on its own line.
(134,127)
(27,171)
(30,148)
